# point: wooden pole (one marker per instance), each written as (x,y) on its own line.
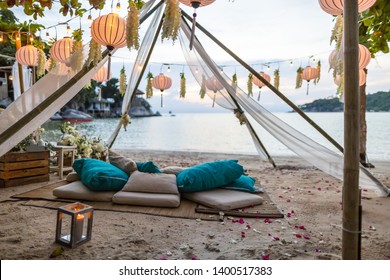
(18,44)
(268,84)
(351,201)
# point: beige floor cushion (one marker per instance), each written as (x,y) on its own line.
(224,199)
(72,176)
(76,190)
(147,199)
(151,183)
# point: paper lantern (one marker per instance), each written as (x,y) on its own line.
(195,4)
(335,7)
(259,83)
(74,224)
(214,85)
(161,82)
(362,77)
(61,50)
(27,55)
(364,56)
(109,30)
(308,74)
(102,75)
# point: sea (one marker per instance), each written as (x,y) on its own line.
(222,133)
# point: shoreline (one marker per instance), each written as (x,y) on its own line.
(311,229)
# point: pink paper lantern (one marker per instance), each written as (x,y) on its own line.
(102,75)
(213,84)
(162,82)
(335,7)
(196,3)
(27,55)
(364,57)
(61,50)
(309,73)
(109,30)
(259,83)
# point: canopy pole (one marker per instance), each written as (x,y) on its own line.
(140,76)
(18,45)
(275,90)
(351,200)
(250,127)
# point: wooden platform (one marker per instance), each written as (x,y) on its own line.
(21,168)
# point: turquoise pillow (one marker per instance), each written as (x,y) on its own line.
(209,175)
(98,175)
(244,183)
(148,167)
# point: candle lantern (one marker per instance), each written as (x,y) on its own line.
(74,224)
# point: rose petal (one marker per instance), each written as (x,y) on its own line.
(275,238)
(266,257)
(267,221)
(318,250)
(194,258)
(280,196)
(163,259)
(306,237)
(248,226)
(288,200)
(388,256)
(319,189)
(298,235)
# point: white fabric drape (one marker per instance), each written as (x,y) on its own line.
(136,71)
(316,154)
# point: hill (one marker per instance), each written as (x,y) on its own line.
(377,102)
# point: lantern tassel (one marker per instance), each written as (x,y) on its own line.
(193,31)
(109,66)
(307,90)
(162,105)
(258,97)
(214,100)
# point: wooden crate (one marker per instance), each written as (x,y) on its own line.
(21,168)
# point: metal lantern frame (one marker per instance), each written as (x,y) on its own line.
(79,214)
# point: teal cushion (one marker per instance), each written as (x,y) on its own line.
(209,175)
(98,175)
(244,183)
(148,167)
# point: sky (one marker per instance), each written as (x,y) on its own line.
(260,32)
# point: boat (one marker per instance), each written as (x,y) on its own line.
(73,116)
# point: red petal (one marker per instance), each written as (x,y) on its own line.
(306,237)
(298,235)
(266,257)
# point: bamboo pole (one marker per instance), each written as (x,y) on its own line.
(269,85)
(18,44)
(351,201)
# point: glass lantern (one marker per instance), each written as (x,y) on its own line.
(74,224)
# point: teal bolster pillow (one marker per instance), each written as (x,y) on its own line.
(148,167)
(244,183)
(209,175)
(98,175)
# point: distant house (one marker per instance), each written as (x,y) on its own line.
(101,108)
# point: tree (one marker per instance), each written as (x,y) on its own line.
(374,33)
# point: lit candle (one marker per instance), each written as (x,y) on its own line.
(79,226)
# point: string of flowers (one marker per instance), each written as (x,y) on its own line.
(202,91)
(171,23)
(94,54)
(149,87)
(316,80)
(182,85)
(52,64)
(298,80)
(234,81)
(77,57)
(125,120)
(276,78)
(41,60)
(122,81)
(250,84)
(132,25)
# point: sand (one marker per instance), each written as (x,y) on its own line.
(311,229)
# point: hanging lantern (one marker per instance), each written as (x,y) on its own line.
(364,56)
(362,77)
(61,50)
(332,59)
(102,75)
(195,4)
(259,83)
(309,73)
(161,82)
(214,85)
(27,55)
(335,7)
(110,31)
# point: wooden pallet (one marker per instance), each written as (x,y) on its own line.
(21,168)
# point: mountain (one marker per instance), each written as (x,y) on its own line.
(377,102)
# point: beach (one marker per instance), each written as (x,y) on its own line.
(310,230)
